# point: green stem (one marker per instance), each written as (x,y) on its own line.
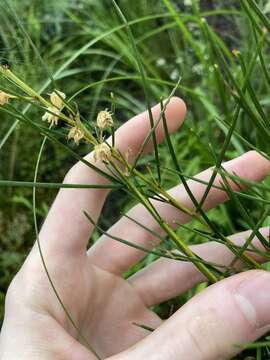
(166,227)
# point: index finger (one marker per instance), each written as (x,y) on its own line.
(66,228)
(215,324)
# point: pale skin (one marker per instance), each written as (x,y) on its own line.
(103,305)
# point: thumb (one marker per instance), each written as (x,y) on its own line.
(216,324)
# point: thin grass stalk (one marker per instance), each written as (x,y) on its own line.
(244,212)
(144,84)
(28,184)
(166,227)
(186,33)
(69,317)
(246,142)
(240,194)
(250,90)
(251,236)
(259,13)
(195,202)
(161,254)
(235,115)
(257,29)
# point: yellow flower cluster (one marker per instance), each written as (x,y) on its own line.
(102,151)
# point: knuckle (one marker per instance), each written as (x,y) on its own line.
(23,286)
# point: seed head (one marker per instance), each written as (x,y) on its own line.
(102,152)
(52,116)
(104,119)
(57,98)
(4,98)
(76,134)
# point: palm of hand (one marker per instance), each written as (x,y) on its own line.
(104,307)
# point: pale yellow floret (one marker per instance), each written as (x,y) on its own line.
(52,116)
(104,119)
(102,152)
(57,100)
(4,98)
(76,134)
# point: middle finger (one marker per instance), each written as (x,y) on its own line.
(250,166)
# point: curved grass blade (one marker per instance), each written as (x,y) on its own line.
(69,317)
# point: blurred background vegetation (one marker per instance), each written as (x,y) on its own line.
(168,49)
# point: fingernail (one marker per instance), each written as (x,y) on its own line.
(253,298)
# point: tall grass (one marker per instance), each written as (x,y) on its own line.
(91,49)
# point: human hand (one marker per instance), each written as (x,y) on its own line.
(103,305)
